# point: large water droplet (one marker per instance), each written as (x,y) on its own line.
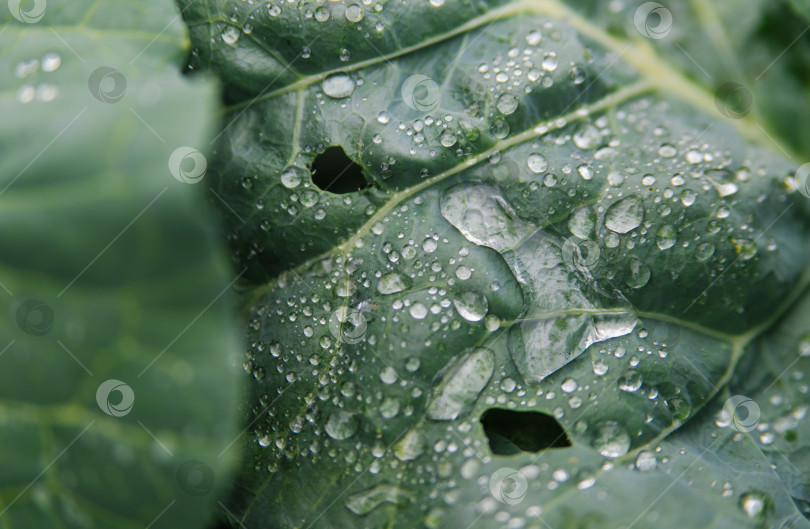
(464,379)
(411,446)
(354,13)
(230,35)
(341,425)
(638,274)
(625,215)
(537,163)
(754,503)
(339,86)
(292,177)
(472,306)
(363,502)
(666,237)
(507,104)
(392,283)
(630,381)
(611,439)
(581,222)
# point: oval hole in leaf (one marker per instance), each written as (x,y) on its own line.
(511,432)
(335,172)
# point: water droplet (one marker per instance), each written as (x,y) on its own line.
(274,11)
(437,3)
(388,375)
(585,171)
(51,62)
(638,274)
(688,197)
(354,13)
(322,14)
(471,306)
(507,104)
(393,283)
(587,138)
(418,311)
(704,251)
(666,237)
(534,38)
(338,86)
(578,75)
(630,381)
(341,425)
(465,378)
(754,503)
(448,139)
(292,177)
(247,28)
(537,163)
(230,35)
(550,62)
(362,503)
(611,439)
(581,223)
(569,385)
(463,272)
(646,461)
(625,215)
(667,151)
(411,446)
(383,117)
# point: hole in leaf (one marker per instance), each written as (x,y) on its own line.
(335,172)
(511,432)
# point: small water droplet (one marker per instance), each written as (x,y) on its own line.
(51,62)
(611,439)
(630,381)
(341,425)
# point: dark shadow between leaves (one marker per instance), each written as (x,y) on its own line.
(335,172)
(512,432)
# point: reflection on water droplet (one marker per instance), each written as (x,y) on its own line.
(471,306)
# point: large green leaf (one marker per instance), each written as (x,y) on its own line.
(117,385)
(562,217)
